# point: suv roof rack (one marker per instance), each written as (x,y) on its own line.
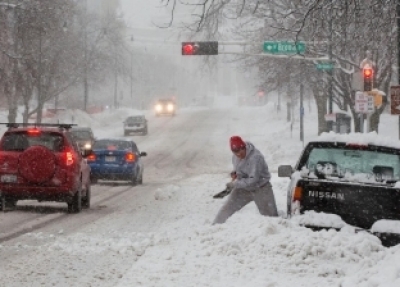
(16,125)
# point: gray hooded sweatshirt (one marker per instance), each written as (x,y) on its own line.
(252,171)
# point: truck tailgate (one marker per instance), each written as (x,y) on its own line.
(358,205)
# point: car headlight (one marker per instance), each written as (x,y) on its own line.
(87,146)
(170,107)
(158,108)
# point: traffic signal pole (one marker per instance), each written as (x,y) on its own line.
(302,110)
(398,42)
(330,73)
(398,48)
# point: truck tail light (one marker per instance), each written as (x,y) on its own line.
(298,193)
(130,157)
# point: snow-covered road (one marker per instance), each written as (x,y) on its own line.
(159,233)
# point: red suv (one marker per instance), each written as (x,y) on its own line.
(43,162)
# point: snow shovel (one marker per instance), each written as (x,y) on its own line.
(223,193)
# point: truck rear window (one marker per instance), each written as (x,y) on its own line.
(22,140)
(338,161)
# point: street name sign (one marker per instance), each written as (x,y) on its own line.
(324,66)
(284,47)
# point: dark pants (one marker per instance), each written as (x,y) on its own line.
(263,197)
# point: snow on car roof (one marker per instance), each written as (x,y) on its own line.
(371,138)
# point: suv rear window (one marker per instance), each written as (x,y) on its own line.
(22,140)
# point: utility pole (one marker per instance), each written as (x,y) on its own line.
(131,78)
(398,42)
(330,71)
(39,112)
(116,83)
(302,107)
(85,68)
(398,47)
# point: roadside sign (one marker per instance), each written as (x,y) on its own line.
(330,117)
(324,66)
(370,106)
(361,102)
(395,100)
(284,47)
(378,95)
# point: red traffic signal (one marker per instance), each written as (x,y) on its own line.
(188,49)
(200,48)
(367,73)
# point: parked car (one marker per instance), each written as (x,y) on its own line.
(165,107)
(116,159)
(43,162)
(351,177)
(135,124)
(83,136)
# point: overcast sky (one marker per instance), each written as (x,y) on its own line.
(144,18)
(150,13)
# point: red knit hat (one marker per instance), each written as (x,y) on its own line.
(237,143)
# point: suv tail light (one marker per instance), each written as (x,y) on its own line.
(298,193)
(91,157)
(69,158)
(130,157)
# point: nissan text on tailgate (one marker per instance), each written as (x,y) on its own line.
(347,180)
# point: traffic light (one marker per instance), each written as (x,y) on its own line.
(200,48)
(368,75)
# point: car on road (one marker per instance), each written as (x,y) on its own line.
(347,179)
(165,107)
(116,159)
(135,124)
(43,162)
(83,136)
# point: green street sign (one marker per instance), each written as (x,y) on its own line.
(324,66)
(283,47)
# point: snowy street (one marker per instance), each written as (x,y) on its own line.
(160,233)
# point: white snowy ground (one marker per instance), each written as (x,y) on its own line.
(248,250)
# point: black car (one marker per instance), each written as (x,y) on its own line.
(356,178)
(83,136)
(135,124)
